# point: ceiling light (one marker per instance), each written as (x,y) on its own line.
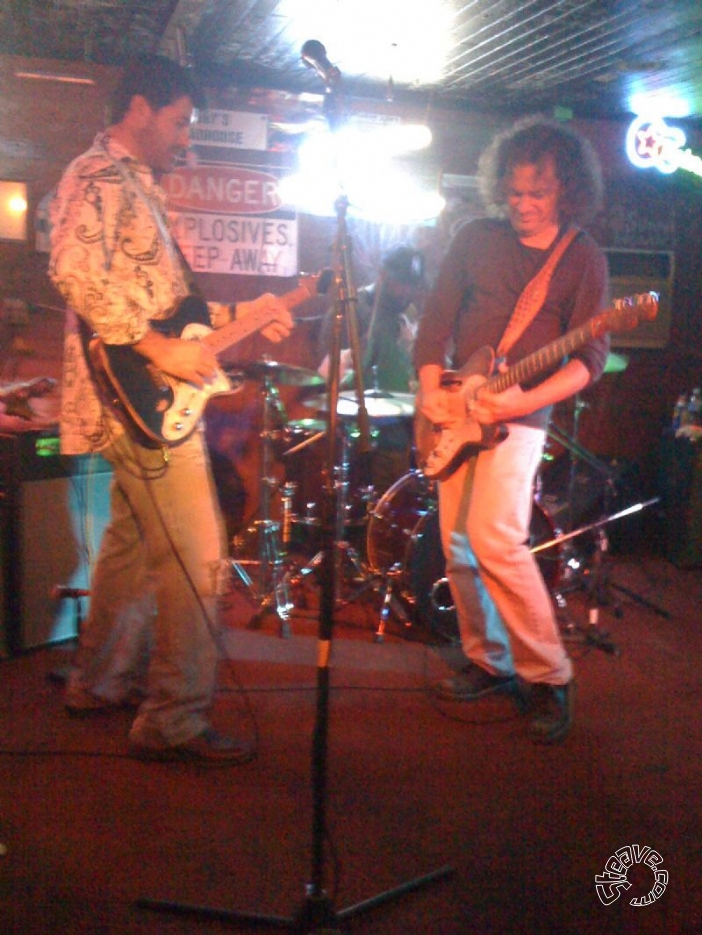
(52,76)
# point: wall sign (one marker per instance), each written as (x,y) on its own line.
(229,129)
(230,219)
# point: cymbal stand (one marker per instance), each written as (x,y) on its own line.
(269,586)
(597,579)
(344,552)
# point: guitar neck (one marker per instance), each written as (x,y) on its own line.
(221,339)
(545,357)
(624,315)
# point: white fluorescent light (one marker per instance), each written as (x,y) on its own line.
(51,76)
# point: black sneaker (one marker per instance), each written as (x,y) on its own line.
(552,712)
(471,683)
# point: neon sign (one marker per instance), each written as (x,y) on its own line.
(651,143)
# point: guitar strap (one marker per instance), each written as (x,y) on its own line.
(533,294)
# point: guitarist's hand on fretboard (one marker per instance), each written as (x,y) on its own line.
(282,323)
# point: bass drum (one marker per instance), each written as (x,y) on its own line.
(424,584)
(394,519)
(403,537)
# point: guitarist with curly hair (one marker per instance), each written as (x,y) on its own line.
(539,180)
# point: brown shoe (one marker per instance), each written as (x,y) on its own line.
(81,703)
(209,748)
(552,710)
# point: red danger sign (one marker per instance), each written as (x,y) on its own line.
(222,189)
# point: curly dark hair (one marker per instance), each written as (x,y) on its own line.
(530,141)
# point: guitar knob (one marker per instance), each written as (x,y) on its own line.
(187,411)
(178,426)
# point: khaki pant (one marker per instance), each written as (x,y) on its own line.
(505,613)
(154,591)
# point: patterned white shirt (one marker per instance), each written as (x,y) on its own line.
(114,261)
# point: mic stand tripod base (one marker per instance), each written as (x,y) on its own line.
(316,914)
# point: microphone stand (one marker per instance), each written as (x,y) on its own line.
(317,912)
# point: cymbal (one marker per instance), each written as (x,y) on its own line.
(379,405)
(283,374)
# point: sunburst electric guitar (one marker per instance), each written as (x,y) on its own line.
(158,408)
(442,448)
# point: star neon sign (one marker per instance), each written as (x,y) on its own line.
(652,143)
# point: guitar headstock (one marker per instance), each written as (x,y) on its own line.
(626,313)
(316,283)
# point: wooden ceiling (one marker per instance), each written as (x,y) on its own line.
(585,56)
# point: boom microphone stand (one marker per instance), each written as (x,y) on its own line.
(317,913)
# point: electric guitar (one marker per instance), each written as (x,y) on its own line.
(158,408)
(16,396)
(442,448)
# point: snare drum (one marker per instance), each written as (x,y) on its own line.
(304,462)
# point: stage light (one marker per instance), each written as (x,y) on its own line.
(359,158)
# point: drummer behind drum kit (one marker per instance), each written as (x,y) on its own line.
(388,544)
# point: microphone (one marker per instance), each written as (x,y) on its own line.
(315,56)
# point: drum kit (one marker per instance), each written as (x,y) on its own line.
(388,542)
(376,537)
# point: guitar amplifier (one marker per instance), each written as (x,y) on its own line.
(53,511)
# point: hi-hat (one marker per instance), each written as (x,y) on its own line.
(379,404)
(283,374)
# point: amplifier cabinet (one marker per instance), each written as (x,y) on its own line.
(53,511)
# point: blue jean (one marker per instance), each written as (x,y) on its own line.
(154,592)
(505,613)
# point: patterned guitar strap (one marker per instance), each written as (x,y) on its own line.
(534,294)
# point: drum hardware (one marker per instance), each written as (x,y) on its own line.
(404,553)
(348,561)
(266,575)
(592,573)
(597,581)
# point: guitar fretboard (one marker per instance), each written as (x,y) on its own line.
(623,316)
(541,360)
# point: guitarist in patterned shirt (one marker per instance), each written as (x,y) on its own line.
(538,179)
(148,640)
